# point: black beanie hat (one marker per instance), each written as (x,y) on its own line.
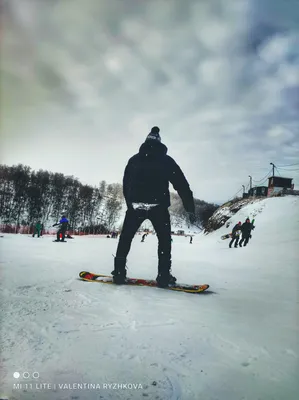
(154,134)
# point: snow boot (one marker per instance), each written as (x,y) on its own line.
(119,273)
(165,279)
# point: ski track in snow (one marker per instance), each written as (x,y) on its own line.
(240,342)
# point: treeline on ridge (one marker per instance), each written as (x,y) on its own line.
(27,196)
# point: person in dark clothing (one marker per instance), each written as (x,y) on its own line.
(143,237)
(146,191)
(37,229)
(191,239)
(63,228)
(246,232)
(236,234)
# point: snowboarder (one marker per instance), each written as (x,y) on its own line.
(143,237)
(63,228)
(246,232)
(145,187)
(236,232)
(37,229)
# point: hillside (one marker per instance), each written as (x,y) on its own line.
(278,213)
(223,215)
(27,196)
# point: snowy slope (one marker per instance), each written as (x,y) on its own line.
(240,341)
(226,211)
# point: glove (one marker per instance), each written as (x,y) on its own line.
(192,218)
(55,225)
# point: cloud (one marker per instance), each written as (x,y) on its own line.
(219,77)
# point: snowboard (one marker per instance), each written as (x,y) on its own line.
(178,287)
(59,241)
(227,236)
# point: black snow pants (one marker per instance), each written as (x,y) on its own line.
(245,239)
(236,239)
(159,217)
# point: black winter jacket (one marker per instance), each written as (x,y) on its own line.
(246,228)
(147,176)
(236,228)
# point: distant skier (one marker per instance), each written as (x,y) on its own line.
(145,187)
(236,232)
(191,239)
(143,237)
(37,229)
(246,232)
(63,228)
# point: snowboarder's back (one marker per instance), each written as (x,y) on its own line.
(147,176)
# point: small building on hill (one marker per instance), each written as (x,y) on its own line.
(278,184)
(258,191)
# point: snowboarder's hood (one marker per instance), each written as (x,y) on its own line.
(63,220)
(153,148)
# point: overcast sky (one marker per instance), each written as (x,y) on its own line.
(83,82)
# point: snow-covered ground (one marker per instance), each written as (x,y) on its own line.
(237,342)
